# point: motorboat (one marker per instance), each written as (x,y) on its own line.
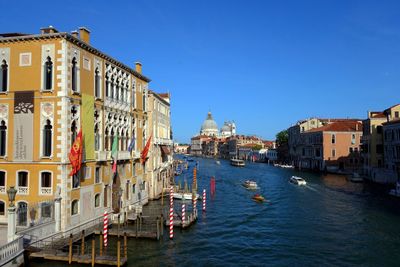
(396,191)
(258,198)
(355,178)
(298,180)
(237,162)
(185,196)
(252,185)
(218,162)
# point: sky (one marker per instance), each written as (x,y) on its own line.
(263,64)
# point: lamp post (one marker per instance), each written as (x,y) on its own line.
(11,222)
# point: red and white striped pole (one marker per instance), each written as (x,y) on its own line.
(105,228)
(195,205)
(204,200)
(171,213)
(183,214)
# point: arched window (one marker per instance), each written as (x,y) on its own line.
(45,183)
(75,207)
(3,138)
(48,74)
(73,132)
(126,139)
(96,83)
(106,140)
(74,74)
(47,139)
(2,208)
(22,211)
(117,87)
(111,138)
(22,182)
(107,85)
(4,76)
(96,137)
(3,181)
(97,200)
(112,86)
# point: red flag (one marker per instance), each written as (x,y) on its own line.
(143,155)
(75,155)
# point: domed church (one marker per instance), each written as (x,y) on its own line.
(209,126)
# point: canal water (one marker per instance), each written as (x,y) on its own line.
(328,222)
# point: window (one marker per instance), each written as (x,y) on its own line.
(350,150)
(96,83)
(3,138)
(96,137)
(2,182)
(47,138)
(22,211)
(22,182)
(4,77)
(76,181)
(75,207)
(144,101)
(379,129)
(333,139)
(333,153)
(74,74)
(133,188)
(107,85)
(127,190)
(353,139)
(73,132)
(117,87)
(97,175)
(2,208)
(45,210)
(97,200)
(396,114)
(379,149)
(106,140)
(48,74)
(45,183)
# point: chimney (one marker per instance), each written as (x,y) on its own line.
(84,34)
(75,34)
(47,30)
(138,66)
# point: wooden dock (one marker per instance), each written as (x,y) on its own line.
(178,221)
(82,259)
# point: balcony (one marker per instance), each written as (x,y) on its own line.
(135,154)
(23,190)
(101,155)
(2,189)
(46,191)
(122,155)
(163,141)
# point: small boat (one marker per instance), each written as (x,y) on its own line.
(355,178)
(237,162)
(258,198)
(185,196)
(190,159)
(251,185)
(298,180)
(218,162)
(395,192)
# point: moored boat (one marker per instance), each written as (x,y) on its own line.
(185,196)
(396,191)
(258,198)
(297,180)
(237,162)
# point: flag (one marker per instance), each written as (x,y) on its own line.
(132,144)
(114,152)
(75,154)
(143,155)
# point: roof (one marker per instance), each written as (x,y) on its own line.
(391,122)
(15,37)
(390,108)
(340,126)
(377,114)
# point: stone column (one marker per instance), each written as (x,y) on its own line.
(57,215)
(12,224)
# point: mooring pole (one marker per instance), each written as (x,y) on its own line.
(125,246)
(83,243)
(93,249)
(101,244)
(118,252)
(70,249)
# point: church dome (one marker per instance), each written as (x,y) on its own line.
(209,124)
(225,128)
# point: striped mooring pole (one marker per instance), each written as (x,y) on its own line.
(171,212)
(183,214)
(204,200)
(105,228)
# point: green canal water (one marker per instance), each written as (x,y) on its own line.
(329,222)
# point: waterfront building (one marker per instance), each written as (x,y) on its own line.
(181,149)
(197,143)
(228,129)
(53,85)
(160,163)
(391,132)
(332,147)
(209,126)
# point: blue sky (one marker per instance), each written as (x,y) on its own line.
(263,64)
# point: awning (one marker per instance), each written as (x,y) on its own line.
(165,150)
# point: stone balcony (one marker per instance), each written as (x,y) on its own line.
(163,141)
(102,155)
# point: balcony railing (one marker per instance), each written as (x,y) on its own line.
(46,191)
(101,155)
(2,189)
(123,155)
(23,190)
(162,141)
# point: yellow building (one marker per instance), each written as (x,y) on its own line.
(52,85)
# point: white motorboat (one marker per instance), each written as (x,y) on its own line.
(355,178)
(237,162)
(185,196)
(218,162)
(298,180)
(252,185)
(395,192)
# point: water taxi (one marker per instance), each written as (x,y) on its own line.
(251,185)
(298,180)
(185,196)
(237,162)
